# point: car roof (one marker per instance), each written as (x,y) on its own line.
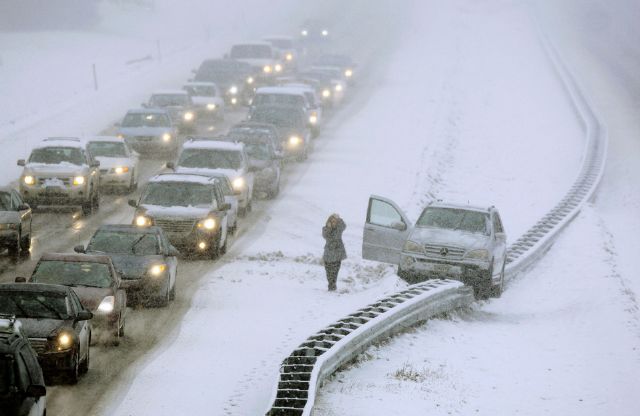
(183,177)
(284,90)
(60,142)
(148,111)
(73,257)
(299,86)
(35,287)
(169,92)
(456,205)
(255,125)
(131,228)
(255,42)
(213,144)
(104,139)
(199,84)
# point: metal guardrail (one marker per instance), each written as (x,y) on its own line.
(339,343)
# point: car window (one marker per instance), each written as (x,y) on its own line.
(34,305)
(382,213)
(210,159)
(169,100)
(455,219)
(258,151)
(57,155)
(73,273)
(497,223)
(200,90)
(107,149)
(283,99)
(146,120)
(115,242)
(281,117)
(171,194)
(5,201)
(219,194)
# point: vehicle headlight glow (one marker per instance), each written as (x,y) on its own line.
(207,223)
(157,269)
(79,180)
(250,80)
(267,69)
(238,183)
(119,170)
(326,93)
(64,341)
(348,73)
(295,140)
(166,137)
(29,180)
(234,100)
(120,136)
(313,119)
(480,254)
(325,32)
(289,56)
(107,304)
(304,32)
(233,90)
(278,67)
(211,106)
(338,87)
(143,221)
(412,246)
(188,116)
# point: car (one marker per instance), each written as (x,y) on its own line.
(230,197)
(330,90)
(338,78)
(235,79)
(344,62)
(60,171)
(285,47)
(149,131)
(208,100)
(459,241)
(314,31)
(22,386)
(15,223)
(266,163)
(293,127)
(97,284)
(143,256)
(290,96)
(118,162)
(207,156)
(260,55)
(314,104)
(190,209)
(259,130)
(178,105)
(55,322)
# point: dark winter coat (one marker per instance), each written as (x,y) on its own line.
(334,247)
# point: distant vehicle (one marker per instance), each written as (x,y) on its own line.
(338,78)
(95,281)
(178,104)
(344,62)
(256,130)
(293,126)
(144,257)
(235,79)
(190,209)
(118,162)
(314,31)
(15,223)
(60,171)
(286,50)
(266,163)
(260,55)
(456,241)
(207,157)
(207,99)
(313,103)
(331,90)
(149,131)
(22,387)
(56,324)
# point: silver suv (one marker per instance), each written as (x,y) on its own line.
(60,171)
(456,241)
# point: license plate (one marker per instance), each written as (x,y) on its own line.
(441,268)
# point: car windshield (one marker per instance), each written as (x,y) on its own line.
(250,52)
(57,155)
(282,99)
(122,242)
(145,120)
(455,219)
(108,149)
(177,194)
(258,151)
(72,273)
(281,117)
(30,304)
(210,159)
(200,90)
(169,100)
(5,201)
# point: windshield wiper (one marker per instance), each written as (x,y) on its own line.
(133,246)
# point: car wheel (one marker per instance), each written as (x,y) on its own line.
(275,191)
(14,248)
(121,330)
(25,245)
(223,249)
(95,201)
(483,289)
(172,292)
(250,205)
(163,300)
(84,365)
(133,185)
(496,291)
(74,373)
(87,206)
(404,275)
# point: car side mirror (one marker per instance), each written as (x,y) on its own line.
(20,279)
(133,203)
(23,207)
(36,390)
(399,225)
(173,251)
(79,249)
(225,207)
(171,165)
(84,315)
(94,164)
(21,162)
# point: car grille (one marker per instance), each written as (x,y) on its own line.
(444,252)
(175,226)
(39,345)
(65,181)
(143,138)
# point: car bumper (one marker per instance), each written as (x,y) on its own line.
(108,180)
(105,322)
(57,196)
(425,267)
(142,289)
(146,145)
(190,242)
(53,362)
(8,237)
(265,182)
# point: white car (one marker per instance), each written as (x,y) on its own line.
(206,97)
(260,55)
(285,46)
(118,163)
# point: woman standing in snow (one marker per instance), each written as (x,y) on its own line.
(334,251)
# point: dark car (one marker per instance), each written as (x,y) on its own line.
(56,324)
(293,126)
(143,256)
(96,282)
(235,79)
(249,129)
(344,62)
(15,223)
(22,388)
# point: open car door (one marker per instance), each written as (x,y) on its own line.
(385,231)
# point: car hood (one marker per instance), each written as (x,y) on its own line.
(92,296)
(144,131)
(255,62)
(68,169)
(42,328)
(190,212)
(230,173)
(455,238)
(9,217)
(260,164)
(112,162)
(132,266)
(203,101)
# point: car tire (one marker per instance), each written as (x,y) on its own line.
(172,292)
(163,301)
(223,249)
(13,249)
(404,275)
(483,289)
(95,200)
(73,375)
(84,365)
(133,185)
(122,328)
(250,205)
(25,245)
(275,191)
(496,290)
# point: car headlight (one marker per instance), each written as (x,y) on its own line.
(211,106)
(107,304)
(233,90)
(157,269)
(295,140)
(325,32)
(188,116)
(166,137)
(64,340)
(326,93)
(238,183)
(143,221)
(338,87)
(348,73)
(250,80)
(207,223)
(234,101)
(278,68)
(119,170)
(313,119)
(413,247)
(79,180)
(29,180)
(120,136)
(480,254)
(289,57)
(267,69)
(304,32)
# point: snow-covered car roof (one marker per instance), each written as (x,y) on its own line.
(456,205)
(84,258)
(61,142)
(169,92)
(255,42)
(279,90)
(200,84)
(183,177)
(299,86)
(104,139)
(148,111)
(213,144)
